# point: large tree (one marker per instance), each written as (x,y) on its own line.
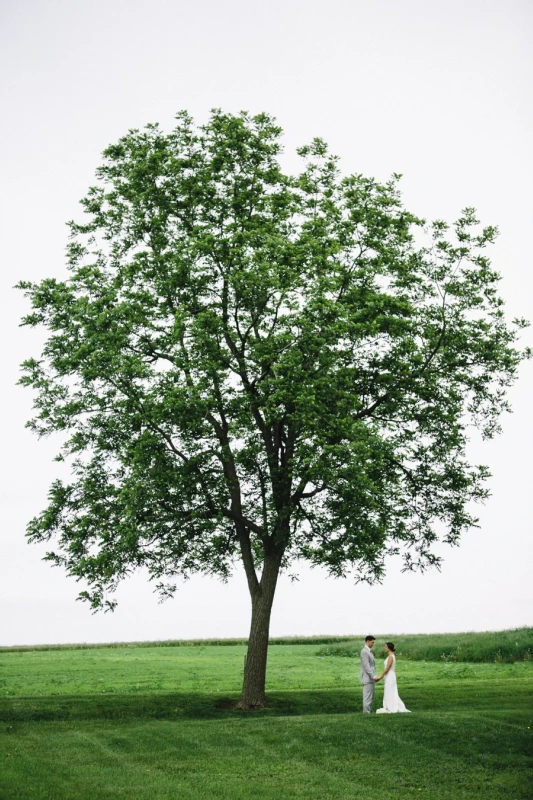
(249,365)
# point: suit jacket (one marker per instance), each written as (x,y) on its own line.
(368,666)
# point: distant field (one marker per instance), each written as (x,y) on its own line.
(158,722)
(176,643)
(489,647)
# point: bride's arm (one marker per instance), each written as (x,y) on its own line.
(388,665)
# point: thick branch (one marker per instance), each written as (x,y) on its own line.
(247,558)
(240,519)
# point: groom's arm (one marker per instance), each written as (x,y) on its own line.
(366,665)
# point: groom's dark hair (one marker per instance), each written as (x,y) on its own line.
(370,638)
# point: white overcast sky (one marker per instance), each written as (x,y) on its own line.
(439,90)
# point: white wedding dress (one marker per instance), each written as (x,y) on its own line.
(392,704)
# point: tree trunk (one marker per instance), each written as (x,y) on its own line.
(253,689)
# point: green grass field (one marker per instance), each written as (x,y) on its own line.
(158,722)
(489,647)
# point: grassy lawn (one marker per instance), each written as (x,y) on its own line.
(157,722)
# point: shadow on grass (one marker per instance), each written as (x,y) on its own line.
(474,695)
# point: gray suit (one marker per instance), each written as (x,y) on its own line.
(368,673)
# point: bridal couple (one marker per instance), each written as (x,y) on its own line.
(392,703)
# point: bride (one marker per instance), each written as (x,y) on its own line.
(392,704)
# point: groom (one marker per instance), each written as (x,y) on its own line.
(368,674)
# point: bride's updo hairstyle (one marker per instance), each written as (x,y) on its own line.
(390,645)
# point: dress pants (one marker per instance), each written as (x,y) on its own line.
(368,697)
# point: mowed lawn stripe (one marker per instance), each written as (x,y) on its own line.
(443,755)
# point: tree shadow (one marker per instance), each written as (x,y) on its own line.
(469,695)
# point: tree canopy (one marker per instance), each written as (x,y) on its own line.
(247,364)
